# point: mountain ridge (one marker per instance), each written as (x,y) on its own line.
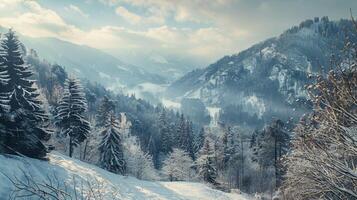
(268,79)
(84,61)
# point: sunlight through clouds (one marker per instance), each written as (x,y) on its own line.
(186,28)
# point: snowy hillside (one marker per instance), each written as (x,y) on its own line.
(68,170)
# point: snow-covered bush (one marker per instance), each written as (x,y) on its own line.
(178,166)
(139,163)
(322,163)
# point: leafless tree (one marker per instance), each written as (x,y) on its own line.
(52,188)
(323,163)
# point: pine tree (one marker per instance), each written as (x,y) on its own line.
(26,125)
(199,140)
(188,145)
(4,78)
(269,147)
(152,150)
(205,163)
(229,146)
(70,116)
(106,108)
(184,135)
(111,148)
(165,133)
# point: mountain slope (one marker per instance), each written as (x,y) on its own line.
(268,79)
(90,63)
(104,182)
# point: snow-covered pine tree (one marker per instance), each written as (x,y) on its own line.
(188,145)
(26,127)
(205,163)
(198,141)
(229,146)
(70,116)
(153,151)
(270,145)
(111,148)
(4,78)
(184,135)
(165,133)
(177,166)
(106,107)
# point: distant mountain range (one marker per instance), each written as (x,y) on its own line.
(268,79)
(264,81)
(90,63)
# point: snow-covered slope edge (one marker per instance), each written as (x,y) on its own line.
(124,188)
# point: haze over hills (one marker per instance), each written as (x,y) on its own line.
(268,79)
(264,81)
(169,66)
(91,63)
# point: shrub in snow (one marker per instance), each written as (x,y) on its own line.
(322,162)
(178,166)
(139,163)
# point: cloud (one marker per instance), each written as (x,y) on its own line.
(151,17)
(109,2)
(128,16)
(9,3)
(187,28)
(77,10)
(39,22)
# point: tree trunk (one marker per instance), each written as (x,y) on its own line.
(85,150)
(276,162)
(70,147)
(242,167)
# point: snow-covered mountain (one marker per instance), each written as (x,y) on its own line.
(66,174)
(268,79)
(90,63)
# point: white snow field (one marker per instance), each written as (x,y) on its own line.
(65,170)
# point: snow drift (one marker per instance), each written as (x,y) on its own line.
(70,173)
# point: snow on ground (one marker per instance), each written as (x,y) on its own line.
(125,188)
(199,191)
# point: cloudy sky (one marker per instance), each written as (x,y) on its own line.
(201,29)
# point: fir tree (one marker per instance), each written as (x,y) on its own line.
(270,145)
(229,147)
(205,163)
(165,133)
(4,78)
(111,148)
(188,145)
(199,140)
(184,135)
(71,114)
(152,150)
(26,119)
(105,110)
